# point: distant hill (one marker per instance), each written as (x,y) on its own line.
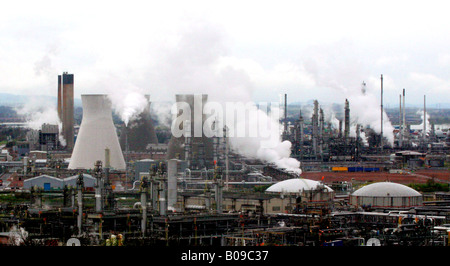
(408,105)
(7,99)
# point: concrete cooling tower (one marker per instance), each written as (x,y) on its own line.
(198,151)
(97,133)
(140,132)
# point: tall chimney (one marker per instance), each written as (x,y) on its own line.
(424,119)
(285,114)
(60,100)
(347,120)
(400,125)
(404,117)
(66,108)
(315,124)
(382,111)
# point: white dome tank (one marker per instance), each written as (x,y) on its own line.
(386,194)
(297,185)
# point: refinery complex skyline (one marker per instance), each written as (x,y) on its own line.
(225,124)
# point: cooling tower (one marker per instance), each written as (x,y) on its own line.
(97,132)
(198,151)
(140,132)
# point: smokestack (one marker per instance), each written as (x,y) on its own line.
(381,134)
(97,133)
(404,116)
(400,124)
(321,130)
(347,120)
(301,133)
(285,114)
(315,129)
(65,108)
(424,119)
(340,129)
(60,98)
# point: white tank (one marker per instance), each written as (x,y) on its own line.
(97,133)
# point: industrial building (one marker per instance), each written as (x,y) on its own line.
(47,182)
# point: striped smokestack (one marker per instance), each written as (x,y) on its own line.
(66,108)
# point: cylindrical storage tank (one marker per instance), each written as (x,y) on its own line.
(386,195)
(97,133)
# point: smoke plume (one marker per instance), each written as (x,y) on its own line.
(339,67)
(40,110)
(193,65)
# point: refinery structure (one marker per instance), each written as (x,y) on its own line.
(103,182)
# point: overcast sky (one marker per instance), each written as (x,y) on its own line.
(230,49)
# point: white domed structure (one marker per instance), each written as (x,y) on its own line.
(304,190)
(297,185)
(385,195)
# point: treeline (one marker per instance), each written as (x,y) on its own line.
(431,186)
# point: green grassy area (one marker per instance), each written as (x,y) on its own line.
(14,198)
(431,186)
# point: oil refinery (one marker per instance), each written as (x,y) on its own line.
(101,182)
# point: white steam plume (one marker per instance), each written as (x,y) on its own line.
(40,110)
(131,104)
(427,121)
(193,65)
(340,68)
(161,111)
(127,99)
(266,144)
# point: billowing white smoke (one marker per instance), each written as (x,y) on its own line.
(365,110)
(127,99)
(38,111)
(161,111)
(330,117)
(339,67)
(262,138)
(129,106)
(427,121)
(192,66)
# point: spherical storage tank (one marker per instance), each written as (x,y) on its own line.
(386,195)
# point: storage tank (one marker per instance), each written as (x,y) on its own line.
(97,133)
(309,190)
(386,195)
